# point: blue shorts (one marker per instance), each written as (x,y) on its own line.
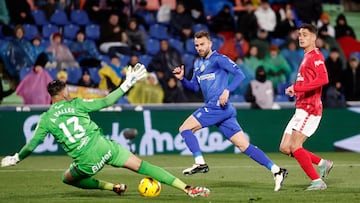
(223,118)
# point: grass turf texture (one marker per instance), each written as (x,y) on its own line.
(232,178)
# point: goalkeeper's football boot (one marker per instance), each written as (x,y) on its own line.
(119,188)
(279,178)
(325,168)
(194,191)
(317,185)
(196,168)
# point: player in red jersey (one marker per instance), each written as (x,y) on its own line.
(312,75)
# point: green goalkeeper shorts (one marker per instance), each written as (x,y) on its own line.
(98,153)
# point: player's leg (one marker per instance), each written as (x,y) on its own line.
(75,177)
(187,130)
(135,164)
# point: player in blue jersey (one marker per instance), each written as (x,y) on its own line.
(211,72)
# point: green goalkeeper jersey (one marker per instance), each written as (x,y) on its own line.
(69,122)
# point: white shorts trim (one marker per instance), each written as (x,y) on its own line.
(303,122)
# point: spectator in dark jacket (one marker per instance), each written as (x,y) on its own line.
(351,80)
(182,22)
(308,11)
(342,28)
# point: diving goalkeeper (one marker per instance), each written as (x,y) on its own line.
(69,122)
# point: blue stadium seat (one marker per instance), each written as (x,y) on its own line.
(152,46)
(24,71)
(189,46)
(70,31)
(59,18)
(277,41)
(199,26)
(30,31)
(74,74)
(148,16)
(67,42)
(94,74)
(52,72)
(237,98)
(217,43)
(48,30)
(79,17)
(158,31)
(177,44)
(281,98)
(92,31)
(39,17)
(145,59)
(281,87)
(189,62)
(105,58)
(124,59)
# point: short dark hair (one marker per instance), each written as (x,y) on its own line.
(55,86)
(202,33)
(309,27)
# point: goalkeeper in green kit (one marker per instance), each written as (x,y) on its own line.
(69,122)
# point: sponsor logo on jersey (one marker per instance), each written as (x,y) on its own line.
(101,164)
(210,76)
(318,62)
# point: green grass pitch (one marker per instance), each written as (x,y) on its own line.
(232,178)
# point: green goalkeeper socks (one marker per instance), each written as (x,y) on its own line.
(91,183)
(161,175)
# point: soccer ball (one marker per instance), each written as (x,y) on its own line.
(149,187)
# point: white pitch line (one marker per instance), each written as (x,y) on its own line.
(177,167)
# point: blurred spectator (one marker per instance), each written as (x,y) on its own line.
(223,21)
(277,68)
(100,10)
(62,75)
(37,49)
(252,60)
(17,53)
(247,22)
(147,91)
(111,74)
(86,80)
(60,53)
(293,56)
(136,37)
(286,25)
(236,47)
(324,21)
(164,62)
(323,47)
(308,11)
(181,22)
(342,28)
(173,93)
(334,68)
(33,88)
(260,91)
(113,38)
(266,17)
(351,80)
(85,51)
(196,8)
(49,8)
(4,93)
(249,75)
(19,12)
(262,42)
(4,14)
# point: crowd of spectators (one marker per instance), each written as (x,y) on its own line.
(94,50)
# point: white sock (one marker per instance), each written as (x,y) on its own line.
(199,160)
(275,168)
(321,162)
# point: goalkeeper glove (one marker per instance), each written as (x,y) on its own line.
(10,160)
(133,74)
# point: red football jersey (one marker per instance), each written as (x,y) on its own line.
(312,75)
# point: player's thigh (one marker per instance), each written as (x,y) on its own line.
(191,123)
(120,155)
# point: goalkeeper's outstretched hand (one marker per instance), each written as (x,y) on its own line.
(133,74)
(10,160)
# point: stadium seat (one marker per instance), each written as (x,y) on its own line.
(52,72)
(277,41)
(39,17)
(48,30)
(237,98)
(281,87)
(152,46)
(59,18)
(79,17)
(24,71)
(105,58)
(189,46)
(148,16)
(92,32)
(199,26)
(145,59)
(281,98)
(217,43)
(189,62)
(30,31)
(158,31)
(67,42)
(74,74)
(70,31)
(124,59)
(94,75)
(177,44)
